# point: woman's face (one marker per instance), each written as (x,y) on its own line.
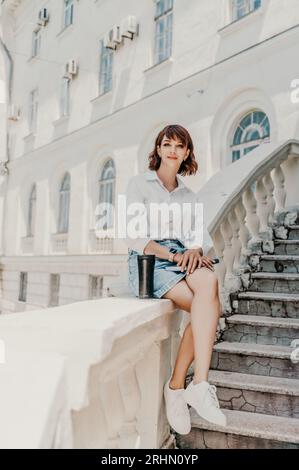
(172,152)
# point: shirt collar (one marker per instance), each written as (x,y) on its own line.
(151,175)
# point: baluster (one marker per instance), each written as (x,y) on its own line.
(244,232)
(252,220)
(279,189)
(262,210)
(270,199)
(131,396)
(236,242)
(232,282)
(113,411)
(219,250)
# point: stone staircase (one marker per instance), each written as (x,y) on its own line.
(257,383)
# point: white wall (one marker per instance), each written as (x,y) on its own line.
(238,67)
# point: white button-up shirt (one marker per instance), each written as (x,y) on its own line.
(146,189)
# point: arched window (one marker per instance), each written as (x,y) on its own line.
(252,130)
(107,190)
(31,212)
(64,204)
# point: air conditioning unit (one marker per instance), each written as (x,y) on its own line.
(43,17)
(71,69)
(113,38)
(129,27)
(13,112)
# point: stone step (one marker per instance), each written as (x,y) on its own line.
(268,304)
(259,359)
(280,263)
(275,282)
(286,247)
(293,232)
(261,329)
(244,430)
(257,393)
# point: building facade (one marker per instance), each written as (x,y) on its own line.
(87,85)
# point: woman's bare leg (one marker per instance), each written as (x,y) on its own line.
(198,294)
(205,313)
(182,295)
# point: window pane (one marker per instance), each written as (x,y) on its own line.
(65,97)
(23,287)
(68,12)
(54,290)
(64,203)
(236,155)
(246,121)
(95,287)
(163,31)
(254,127)
(106,63)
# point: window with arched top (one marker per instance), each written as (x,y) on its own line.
(31,212)
(64,204)
(107,190)
(252,131)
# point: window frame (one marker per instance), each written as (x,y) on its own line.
(31,215)
(33,110)
(68,13)
(248,4)
(64,101)
(36,43)
(160,55)
(23,284)
(106,189)
(54,290)
(105,81)
(246,147)
(97,291)
(64,204)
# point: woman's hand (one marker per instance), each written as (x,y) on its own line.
(191,259)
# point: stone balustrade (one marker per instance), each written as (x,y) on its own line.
(88,375)
(240,204)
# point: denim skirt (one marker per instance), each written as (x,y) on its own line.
(164,280)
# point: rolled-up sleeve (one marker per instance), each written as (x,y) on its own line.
(136,216)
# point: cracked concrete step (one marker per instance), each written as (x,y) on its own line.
(275,282)
(267,304)
(243,431)
(286,247)
(261,329)
(279,263)
(293,232)
(259,359)
(256,393)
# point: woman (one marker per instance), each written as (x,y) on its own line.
(191,282)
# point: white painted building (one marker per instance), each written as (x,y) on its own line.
(225,69)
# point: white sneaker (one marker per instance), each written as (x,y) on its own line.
(177,411)
(202,397)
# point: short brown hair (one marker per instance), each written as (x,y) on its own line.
(175,131)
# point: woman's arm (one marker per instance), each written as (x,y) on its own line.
(154,248)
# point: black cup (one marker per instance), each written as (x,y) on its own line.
(146,266)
